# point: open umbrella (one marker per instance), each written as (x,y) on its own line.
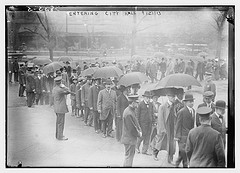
(177,80)
(132,78)
(163,91)
(107,72)
(89,71)
(52,67)
(41,61)
(65,59)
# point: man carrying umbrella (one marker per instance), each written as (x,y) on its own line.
(92,102)
(165,135)
(122,104)
(185,122)
(145,115)
(131,130)
(107,99)
(30,86)
(204,145)
(60,106)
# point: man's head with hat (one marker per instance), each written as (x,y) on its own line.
(220,107)
(208,97)
(204,115)
(89,79)
(188,100)
(58,80)
(180,93)
(133,101)
(124,90)
(147,96)
(108,84)
(74,79)
(170,95)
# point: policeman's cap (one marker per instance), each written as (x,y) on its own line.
(204,111)
(208,94)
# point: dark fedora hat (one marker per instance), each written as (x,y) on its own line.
(220,104)
(188,97)
(147,94)
(133,98)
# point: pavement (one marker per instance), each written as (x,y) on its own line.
(31,138)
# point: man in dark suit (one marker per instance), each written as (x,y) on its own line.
(92,103)
(107,99)
(208,102)
(185,122)
(30,87)
(79,106)
(131,131)
(22,81)
(204,147)
(209,85)
(122,104)
(145,115)
(15,70)
(39,89)
(84,98)
(60,107)
(10,70)
(219,120)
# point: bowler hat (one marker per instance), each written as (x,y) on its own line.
(208,94)
(188,97)
(204,111)
(147,94)
(220,104)
(108,82)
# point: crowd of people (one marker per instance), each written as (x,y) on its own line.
(100,103)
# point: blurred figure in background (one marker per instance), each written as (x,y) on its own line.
(73,96)
(209,85)
(22,81)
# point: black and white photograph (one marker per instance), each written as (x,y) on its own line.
(119,86)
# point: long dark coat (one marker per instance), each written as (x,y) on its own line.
(93,96)
(184,123)
(204,147)
(30,83)
(131,129)
(85,93)
(220,127)
(122,104)
(60,105)
(38,85)
(106,103)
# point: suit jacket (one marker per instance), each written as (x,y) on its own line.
(106,103)
(122,104)
(78,98)
(38,85)
(30,83)
(15,67)
(59,98)
(202,105)
(93,96)
(204,147)
(73,90)
(131,128)
(220,127)
(50,83)
(184,123)
(44,83)
(22,77)
(145,114)
(85,93)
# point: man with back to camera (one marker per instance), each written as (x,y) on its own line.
(131,130)
(204,147)
(184,123)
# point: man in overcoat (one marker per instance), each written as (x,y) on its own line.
(145,116)
(79,106)
(39,89)
(185,122)
(15,70)
(92,103)
(84,98)
(22,82)
(204,147)
(30,87)
(106,104)
(209,85)
(164,140)
(60,106)
(218,121)
(73,95)
(122,104)
(131,131)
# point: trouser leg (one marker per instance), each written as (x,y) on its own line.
(90,118)
(42,98)
(139,141)
(129,155)
(60,125)
(96,120)
(20,90)
(104,126)
(146,139)
(109,123)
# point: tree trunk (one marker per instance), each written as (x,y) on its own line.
(51,53)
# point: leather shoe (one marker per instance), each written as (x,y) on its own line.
(155,158)
(63,138)
(110,135)
(146,153)
(137,150)
(104,136)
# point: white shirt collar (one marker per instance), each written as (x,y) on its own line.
(217,114)
(190,109)
(170,103)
